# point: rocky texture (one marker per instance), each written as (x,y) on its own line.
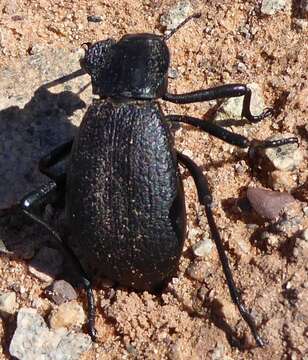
(33,340)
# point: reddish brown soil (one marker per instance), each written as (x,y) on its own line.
(191,318)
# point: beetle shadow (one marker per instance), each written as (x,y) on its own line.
(27,134)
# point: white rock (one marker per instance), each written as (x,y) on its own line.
(202,248)
(285,157)
(7,303)
(270,7)
(33,340)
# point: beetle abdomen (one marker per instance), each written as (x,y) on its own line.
(126,205)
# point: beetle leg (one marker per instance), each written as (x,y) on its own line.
(40,196)
(54,190)
(54,157)
(228,136)
(65,78)
(220,92)
(205,198)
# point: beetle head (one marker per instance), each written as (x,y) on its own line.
(135,67)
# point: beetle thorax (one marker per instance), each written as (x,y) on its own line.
(135,67)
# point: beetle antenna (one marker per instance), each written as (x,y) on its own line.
(65,78)
(193,16)
(83,88)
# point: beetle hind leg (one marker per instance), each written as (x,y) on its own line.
(205,198)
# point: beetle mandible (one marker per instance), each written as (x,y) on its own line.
(124,195)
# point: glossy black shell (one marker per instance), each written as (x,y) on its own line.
(125,202)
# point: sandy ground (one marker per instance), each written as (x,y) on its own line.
(193,317)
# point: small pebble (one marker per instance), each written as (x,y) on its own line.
(47,264)
(268,204)
(173,73)
(203,248)
(61,291)
(304,235)
(95,18)
(270,7)
(285,157)
(8,303)
(67,315)
(33,340)
(198,270)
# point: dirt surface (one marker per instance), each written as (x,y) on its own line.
(194,317)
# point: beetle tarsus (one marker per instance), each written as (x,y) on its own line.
(91,308)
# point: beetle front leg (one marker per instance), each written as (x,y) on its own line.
(221,92)
(205,198)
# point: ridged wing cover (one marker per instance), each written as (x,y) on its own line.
(125,201)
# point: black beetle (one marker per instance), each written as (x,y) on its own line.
(124,194)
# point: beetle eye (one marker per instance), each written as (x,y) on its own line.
(86,46)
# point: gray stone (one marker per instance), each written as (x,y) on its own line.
(232,108)
(7,303)
(285,157)
(33,340)
(61,291)
(176,15)
(47,264)
(270,7)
